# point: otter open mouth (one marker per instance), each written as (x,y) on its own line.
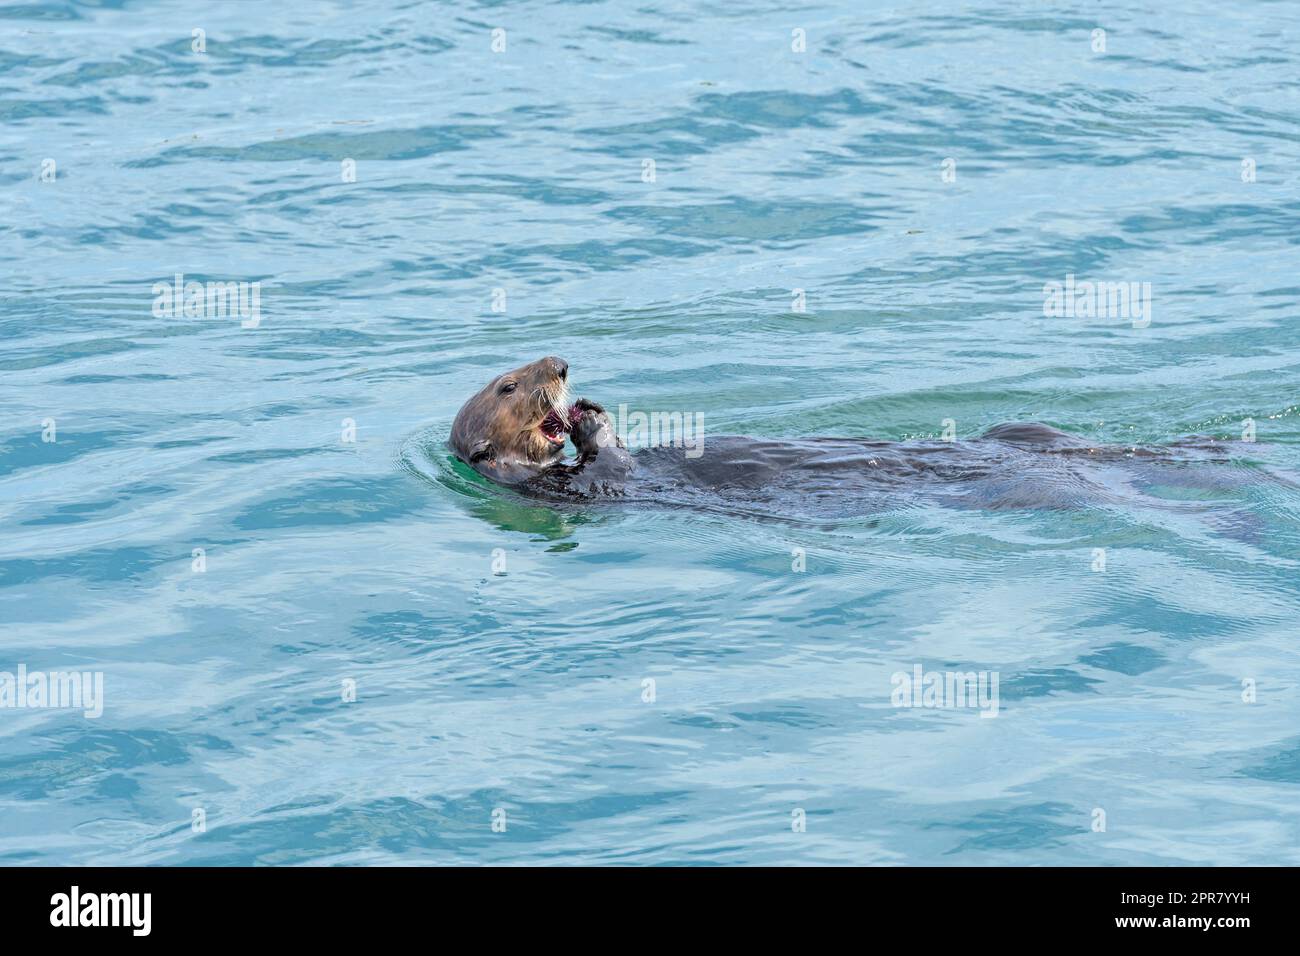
(555,427)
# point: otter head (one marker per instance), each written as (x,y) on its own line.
(515,426)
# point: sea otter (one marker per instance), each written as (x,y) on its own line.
(513,431)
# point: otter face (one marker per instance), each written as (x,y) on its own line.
(515,426)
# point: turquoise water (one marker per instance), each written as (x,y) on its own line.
(375,561)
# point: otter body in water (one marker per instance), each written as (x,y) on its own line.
(513,431)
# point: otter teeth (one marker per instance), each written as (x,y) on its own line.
(554,426)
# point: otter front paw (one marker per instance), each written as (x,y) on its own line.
(590,427)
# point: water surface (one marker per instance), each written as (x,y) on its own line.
(376,561)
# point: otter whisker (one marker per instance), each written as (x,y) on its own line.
(556,396)
(539,397)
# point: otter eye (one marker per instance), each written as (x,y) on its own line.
(508,387)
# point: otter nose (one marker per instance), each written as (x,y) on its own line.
(558,366)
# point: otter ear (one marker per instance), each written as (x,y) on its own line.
(481,449)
